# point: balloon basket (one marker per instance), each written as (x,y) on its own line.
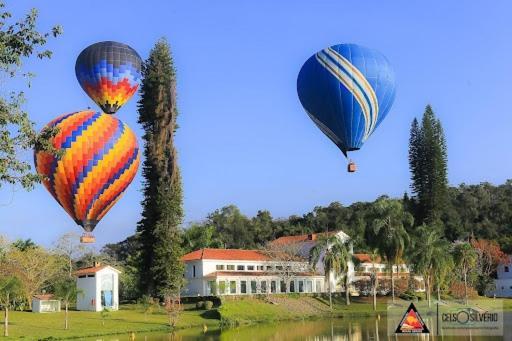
(351,168)
(87,238)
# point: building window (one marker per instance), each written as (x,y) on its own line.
(263,287)
(250,267)
(193,271)
(82,276)
(269,267)
(243,287)
(301,286)
(273,286)
(212,288)
(292,286)
(222,288)
(279,267)
(230,267)
(318,286)
(309,286)
(240,267)
(232,287)
(219,266)
(260,267)
(90,275)
(253,287)
(506,269)
(283,286)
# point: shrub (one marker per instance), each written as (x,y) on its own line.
(200,305)
(457,290)
(208,305)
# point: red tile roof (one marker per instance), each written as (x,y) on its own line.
(297,239)
(92,270)
(225,254)
(366,258)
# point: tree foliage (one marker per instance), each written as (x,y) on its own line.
(428,165)
(161,271)
(19,40)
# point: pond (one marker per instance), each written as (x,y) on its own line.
(353,329)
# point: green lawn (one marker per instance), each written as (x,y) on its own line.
(241,311)
(82,324)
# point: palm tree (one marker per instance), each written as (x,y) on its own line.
(465,258)
(10,286)
(388,234)
(429,253)
(374,279)
(67,291)
(334,254)
(442,268)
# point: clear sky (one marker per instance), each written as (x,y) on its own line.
(244,138)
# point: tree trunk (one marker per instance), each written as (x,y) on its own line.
(330,292)
(6,321)
(66,316)
(438,293)
(465,288)
(392,284)
(428,289)
(375,284)
(347,293)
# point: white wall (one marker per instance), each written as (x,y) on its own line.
(87,299)
(90,299)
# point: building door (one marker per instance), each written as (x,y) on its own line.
(107,290)
(106,298)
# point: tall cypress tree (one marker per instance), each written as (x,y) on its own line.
(161,271)
(428,166)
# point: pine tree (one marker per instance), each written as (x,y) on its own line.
(428,166)
(161,271)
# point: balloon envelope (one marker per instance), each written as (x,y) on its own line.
(347,90)
(99,159)
(109,72)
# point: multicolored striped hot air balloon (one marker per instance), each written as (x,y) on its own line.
(347,90)
(109,73)
(99,159)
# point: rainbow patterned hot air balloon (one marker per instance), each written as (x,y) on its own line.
(109,72)
(99,159)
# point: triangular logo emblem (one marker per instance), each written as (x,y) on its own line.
(412,323)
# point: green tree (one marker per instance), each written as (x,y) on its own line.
(161,270)
(428,256)
(387,232)
(10,286)
(19,41)
(428,166)
(24,245)
(465,258)
(334,255)
(68,292)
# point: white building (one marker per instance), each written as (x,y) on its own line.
(45,303)
(248,272)
(367,266)
(503,284)
(99,286)
(245,272)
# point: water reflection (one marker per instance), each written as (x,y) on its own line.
(317,330)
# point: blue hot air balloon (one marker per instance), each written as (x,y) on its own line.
(347,90)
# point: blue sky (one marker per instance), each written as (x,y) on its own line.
(244,138)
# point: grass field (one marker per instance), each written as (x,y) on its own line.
(82,324)
(232,312)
